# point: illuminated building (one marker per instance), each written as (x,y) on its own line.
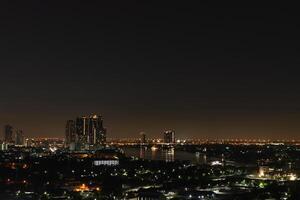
(20,140)
(169,137)
(8,134)
(106,162)
(107,156)
(96,131)
(89,131)
(70,132)
(81,131)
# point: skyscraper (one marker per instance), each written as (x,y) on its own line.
(19,138)
(70,132)
(97,133)
(169,137)
(8,134)
(81,131)
(89,131)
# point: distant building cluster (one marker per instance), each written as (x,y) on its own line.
(169,137)
(86,132)
(12,137)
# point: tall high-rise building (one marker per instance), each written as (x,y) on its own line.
(89,130)
(70,132)
(20,139)
(8,134)
(169,137)
(81,130)
(96,131)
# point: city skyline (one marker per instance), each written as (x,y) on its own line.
(149,100)
(205,71)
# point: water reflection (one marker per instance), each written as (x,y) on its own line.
(153,153)
(142,152)
(168,154)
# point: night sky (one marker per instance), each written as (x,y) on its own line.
(204,70)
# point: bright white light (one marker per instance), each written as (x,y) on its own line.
(153,148)
(293,177)
(52,149)
(216,163)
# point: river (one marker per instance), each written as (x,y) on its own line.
(167,155)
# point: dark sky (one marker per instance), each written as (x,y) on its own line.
(204,70)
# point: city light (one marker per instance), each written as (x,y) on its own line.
(149,100)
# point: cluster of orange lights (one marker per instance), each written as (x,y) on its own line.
(16,165)
(84,188)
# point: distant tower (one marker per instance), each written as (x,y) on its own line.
(81,126)
(8,134)
(70,132)
(143,138)
(96,131)
(169,137)
(89,130)
(20,140)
